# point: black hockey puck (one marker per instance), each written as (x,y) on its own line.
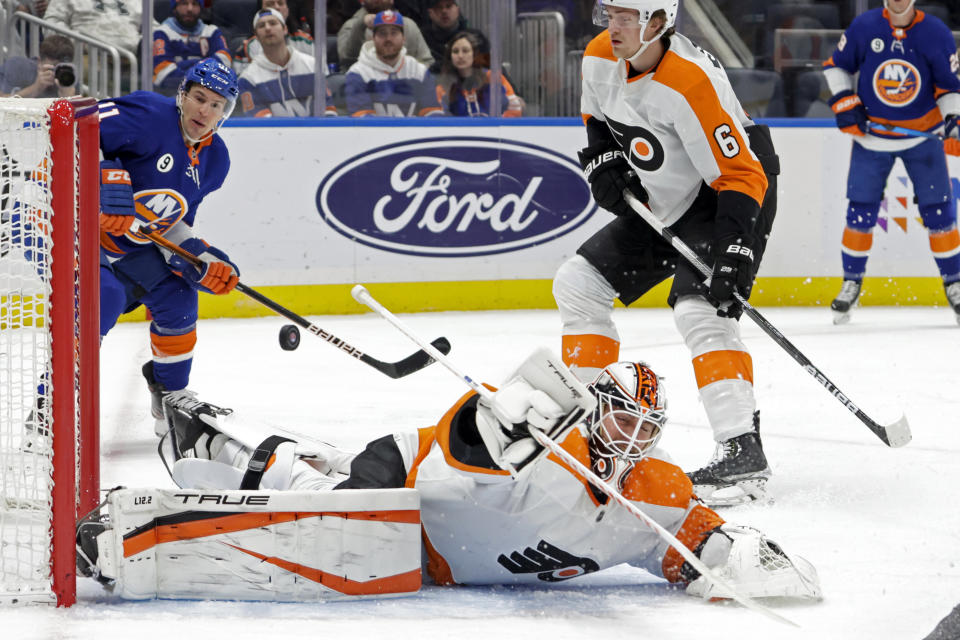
(289,337)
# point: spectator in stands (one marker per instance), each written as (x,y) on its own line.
(443,22)
(385,81)
(299,33)
(181,41)
(116,22)
(279,80)
(51,76)
(358,30)
(465,87)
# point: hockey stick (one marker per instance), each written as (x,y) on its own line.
(363,296)
(895,434)
(411,364)
(892,128)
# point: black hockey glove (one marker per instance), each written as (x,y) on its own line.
(608,173)
(950,125)
(732,271)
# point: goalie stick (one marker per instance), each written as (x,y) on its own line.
(363,296)
(411,364)
(895,434)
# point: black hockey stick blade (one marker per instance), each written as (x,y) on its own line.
(411,364)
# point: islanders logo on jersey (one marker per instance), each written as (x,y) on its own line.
(162,208)
(896,83)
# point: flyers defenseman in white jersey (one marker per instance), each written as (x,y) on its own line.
(663,120)
(497,508)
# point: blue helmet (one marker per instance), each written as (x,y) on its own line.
(212,74)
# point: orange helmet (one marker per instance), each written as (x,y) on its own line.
(630,412)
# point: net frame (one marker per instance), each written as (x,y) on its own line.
(70,316)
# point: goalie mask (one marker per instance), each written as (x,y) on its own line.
(630,411)
(641,14)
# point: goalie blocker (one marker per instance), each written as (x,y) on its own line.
(254,545)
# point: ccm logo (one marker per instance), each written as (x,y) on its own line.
(217,498)
(739,250)
(114,176)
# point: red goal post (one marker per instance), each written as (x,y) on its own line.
(49,342)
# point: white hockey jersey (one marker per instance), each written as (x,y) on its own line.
(679,124)
(268,89)
(482,526)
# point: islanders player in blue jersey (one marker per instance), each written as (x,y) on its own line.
(907,64)
(161,157)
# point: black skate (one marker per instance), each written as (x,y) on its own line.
(845,300)
(157,391)
(953,297)
(191,424)
(738,472)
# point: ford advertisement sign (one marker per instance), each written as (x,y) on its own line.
(455,197)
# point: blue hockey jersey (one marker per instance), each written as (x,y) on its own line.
(907,75)
(169,178)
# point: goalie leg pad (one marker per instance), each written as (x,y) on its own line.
(260,546)
(756,567)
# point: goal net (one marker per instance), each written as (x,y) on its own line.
(49,326)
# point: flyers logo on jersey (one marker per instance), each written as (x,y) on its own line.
(162,208)
(644,149)
(896,83)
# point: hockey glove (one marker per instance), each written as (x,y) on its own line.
(951,125)
(609,174)
(732,271)
(217,274)
(116,198)
(850,112)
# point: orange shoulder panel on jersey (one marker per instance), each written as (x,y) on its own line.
(739,172)
(658,482)
(700,521)
(576,445)
(442,436)
(600,47)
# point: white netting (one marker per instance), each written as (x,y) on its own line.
(25,346)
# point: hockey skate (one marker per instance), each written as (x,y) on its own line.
(737,474)
(157,391)
(845,301)
(953,297)
(191,424)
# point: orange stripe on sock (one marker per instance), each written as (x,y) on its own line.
(944,241)
(694,530)
(589,350)
(173,345)
(857,240)
(714,366)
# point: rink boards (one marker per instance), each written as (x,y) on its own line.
(436,216)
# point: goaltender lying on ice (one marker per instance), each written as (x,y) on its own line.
(475,496)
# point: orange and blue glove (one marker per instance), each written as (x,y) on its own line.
(850,113)
(216,274)
(116,198)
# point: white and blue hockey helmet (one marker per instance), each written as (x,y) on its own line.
(212,74)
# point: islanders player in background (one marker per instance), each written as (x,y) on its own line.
(161,157)
(907,61)
(659,108)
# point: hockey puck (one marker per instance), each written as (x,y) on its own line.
(289,337)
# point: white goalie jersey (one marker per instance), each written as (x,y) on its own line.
(483,526)
(678,124)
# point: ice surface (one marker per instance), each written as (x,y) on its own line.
(881,525)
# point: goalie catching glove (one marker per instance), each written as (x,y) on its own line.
(753,564)
(217,274)
(542,393)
